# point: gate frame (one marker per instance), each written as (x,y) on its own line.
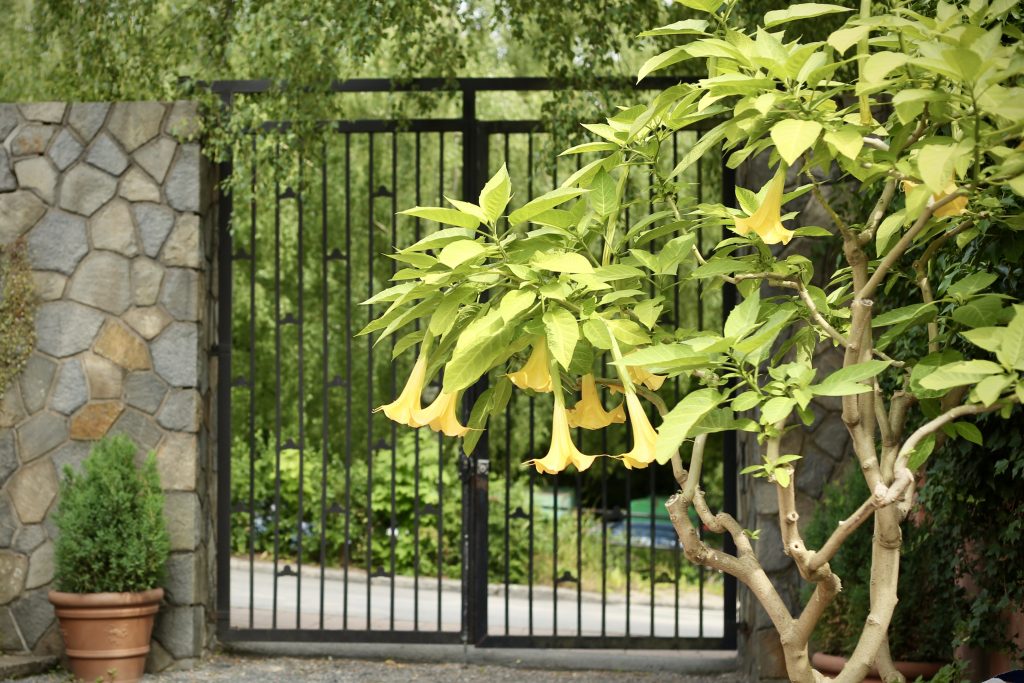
(474,469)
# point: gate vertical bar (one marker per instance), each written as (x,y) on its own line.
(729,439)
(475,468)
(224,282)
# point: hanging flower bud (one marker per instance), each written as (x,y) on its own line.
(767,220)
(406,408)
(442,415)
(589,413)
(563,451)
(535,373)
(641,376)
(644,436)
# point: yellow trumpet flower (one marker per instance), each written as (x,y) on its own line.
(589,413)
(406,408)
(642,376)
(955,207)
(535,374)
(644,436)
(442,415)
(767,220)
(563,451)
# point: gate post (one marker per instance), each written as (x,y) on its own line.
(474,468)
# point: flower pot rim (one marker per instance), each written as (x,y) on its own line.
(65,599)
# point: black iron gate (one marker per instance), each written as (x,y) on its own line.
(335,526)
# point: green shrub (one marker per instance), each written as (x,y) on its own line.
(113,535)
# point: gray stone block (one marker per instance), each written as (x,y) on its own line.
(35,381)
(85,189)
(154,222)
(180,411)
(147,276)
(182,185)
(136,186)
(105,154)
(38,174)
(184,522)
(65,149)
(47,112)
(156,156)
(64,328)
(11,409)
(34,615)
(112,228)
(183,122)
(19,211)
(71,391)
(10,641)
(8,521)
(145,391)
(769,547)
(9,120)
(180,293)
(813,472)
(180,584)
(87,118)
(58,242)
(135,123)
(102,280)
(8,456)
(176,354)
(40,434)
(177,462)
(7,180)
(30,138)
(13,568)
(29,538)
(139,428)
(181,631)
(40,567)
(72,454)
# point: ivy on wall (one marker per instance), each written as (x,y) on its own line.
(17,312)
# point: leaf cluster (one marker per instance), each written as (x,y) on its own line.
(17,312)
(113,534)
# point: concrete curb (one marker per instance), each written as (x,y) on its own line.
(358,576)
(688,662)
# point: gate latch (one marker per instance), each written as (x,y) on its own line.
(483,466)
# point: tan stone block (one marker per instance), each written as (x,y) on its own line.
(147,275)
(37,174)
(176,460)
(118,343)
(105,378)
(136,186)
(182,246)
(148,321)
(112,228)
(13,569)
(12,411)
(95,419)
(32,490)
(49,285)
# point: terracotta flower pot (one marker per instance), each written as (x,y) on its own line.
(107,632)
(833,664)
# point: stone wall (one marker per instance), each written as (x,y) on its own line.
(110,201)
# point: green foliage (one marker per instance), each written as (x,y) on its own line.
(113,535)
(922,627)
(17,312)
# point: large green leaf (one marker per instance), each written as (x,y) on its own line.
(660,61)
(563,262)
(852,374)
(1011,350)
(442,215)
(802,10)
(604,195)
(496,193)
(792,137)
(478,347)
(543,203)
(959,374)
(562,333)
(680,28)
(679,423)
(457,253)
(743,317)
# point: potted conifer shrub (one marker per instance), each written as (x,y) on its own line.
(110,560)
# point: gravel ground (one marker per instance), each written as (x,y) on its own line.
(225,669)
